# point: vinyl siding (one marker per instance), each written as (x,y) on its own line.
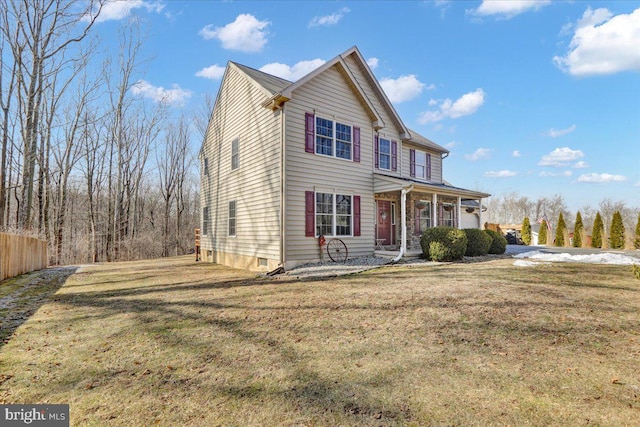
(390,131)
(255,185)
(436,163)
(329,96)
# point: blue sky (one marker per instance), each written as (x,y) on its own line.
(537,97)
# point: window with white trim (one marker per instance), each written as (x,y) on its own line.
(334,214)
(334,139)
(206,166)
(232,218)
(205,221)
(384,153)
(235,154)
(421,164)
(425,217)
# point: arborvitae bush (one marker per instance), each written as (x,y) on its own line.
(560,229)
(498,242)
(616,232)
(636,241)
(542,234)
(526,231)
(598,231)
(478,243)
(443,243)
(578,229)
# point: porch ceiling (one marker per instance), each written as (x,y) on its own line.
(384,183)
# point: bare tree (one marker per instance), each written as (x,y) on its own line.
(39,32)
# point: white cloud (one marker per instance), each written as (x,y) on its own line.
(118,9)
(246,34)
(516,153)
(467,104)
(479,154)
(560,157)
(451,144)
(547,173)
(372,63)
(404,88)
(175,96)
(327,20)
(508,9)
(500,174)
(637,184)
(214,72)
(603,44)
(581,165)
(601,177)
(553,133)
(293,72)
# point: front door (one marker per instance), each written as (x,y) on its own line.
(384,221)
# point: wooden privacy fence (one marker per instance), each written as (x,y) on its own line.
(21,254)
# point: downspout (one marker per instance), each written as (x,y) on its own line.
(283,188)
(403,221)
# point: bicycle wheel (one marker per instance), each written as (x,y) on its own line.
(337,250)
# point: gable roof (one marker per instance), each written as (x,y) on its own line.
(271,83)
(418,139)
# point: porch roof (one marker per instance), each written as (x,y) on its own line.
(385,183)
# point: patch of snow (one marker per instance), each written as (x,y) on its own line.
(523,263)
(600,258)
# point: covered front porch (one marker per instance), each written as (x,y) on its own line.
(405,208)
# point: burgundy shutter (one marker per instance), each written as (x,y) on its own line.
(394,156)
(310,136)
(412,160)
(416,221)
(429,166)
(377,143)
(356,144)
(309,214)
(356,215)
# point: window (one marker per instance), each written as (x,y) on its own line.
(232,218)
(425,218)
(385,154)
(447,219)
(334,215)
(205,221)
(421,164)
(206,166)
(333,138)
(235,154)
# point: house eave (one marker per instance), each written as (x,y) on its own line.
(384,183)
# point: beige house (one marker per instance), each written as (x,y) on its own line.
(284,163)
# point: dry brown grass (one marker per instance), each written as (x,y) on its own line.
(172,342)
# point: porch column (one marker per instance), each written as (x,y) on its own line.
(434,209)
(481,226)
(459,212)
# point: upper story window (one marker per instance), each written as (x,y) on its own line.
(420,164)
(333,138)
(235,154)
(384,154)
(206,166)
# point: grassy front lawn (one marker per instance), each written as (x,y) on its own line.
(171,342)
